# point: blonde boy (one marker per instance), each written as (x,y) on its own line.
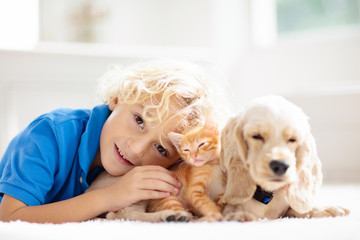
(48,166)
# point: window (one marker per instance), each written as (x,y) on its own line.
(299,15)
(19,26)
(273,19)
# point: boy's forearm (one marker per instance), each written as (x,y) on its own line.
(77,209)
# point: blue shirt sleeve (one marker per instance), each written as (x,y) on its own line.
(30,163)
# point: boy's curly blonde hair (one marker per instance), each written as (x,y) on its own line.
(160,86)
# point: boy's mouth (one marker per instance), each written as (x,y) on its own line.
(121,157)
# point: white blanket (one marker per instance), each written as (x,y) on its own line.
(291,229)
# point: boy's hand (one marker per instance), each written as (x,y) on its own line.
(141,183)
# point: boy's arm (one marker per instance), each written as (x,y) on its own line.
(144,182)
(80,208)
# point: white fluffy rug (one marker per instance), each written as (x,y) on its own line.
(291,229)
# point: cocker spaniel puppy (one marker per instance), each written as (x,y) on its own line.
(269,156)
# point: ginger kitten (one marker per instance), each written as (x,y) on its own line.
(199,149)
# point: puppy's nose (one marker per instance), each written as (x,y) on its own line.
(279,167)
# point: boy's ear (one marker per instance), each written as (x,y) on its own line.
(113,104)
(176,139)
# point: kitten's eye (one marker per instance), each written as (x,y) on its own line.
(202,144)
(139,121)
(186,150)
(258,137)
(161,150)
(292,140)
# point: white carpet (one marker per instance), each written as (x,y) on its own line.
(326,228)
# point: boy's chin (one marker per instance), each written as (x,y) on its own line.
(116,171)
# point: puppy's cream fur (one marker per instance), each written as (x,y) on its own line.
(271,129)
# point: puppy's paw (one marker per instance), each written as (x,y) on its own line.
(115,215)
(332,211)
(240,216)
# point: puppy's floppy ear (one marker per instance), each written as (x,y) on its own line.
(301,194)
(239,187)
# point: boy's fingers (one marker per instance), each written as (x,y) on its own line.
(159,169)
(158,172)
(155,184)
(158,185)
(150,194)
(162,176)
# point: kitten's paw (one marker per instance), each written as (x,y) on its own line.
(176,216)
(240,216)
(211,217)
(217,216)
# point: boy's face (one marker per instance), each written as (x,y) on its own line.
(127,140)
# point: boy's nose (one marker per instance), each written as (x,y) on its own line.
(137,147)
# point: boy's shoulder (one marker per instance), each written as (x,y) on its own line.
(61,115)
(59,122)
(69,118)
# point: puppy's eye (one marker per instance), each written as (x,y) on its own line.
(258,137)
(292,140)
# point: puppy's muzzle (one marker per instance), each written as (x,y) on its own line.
(279,167)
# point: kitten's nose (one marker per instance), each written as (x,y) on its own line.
(279,167)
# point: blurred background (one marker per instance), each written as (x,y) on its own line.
(53,52)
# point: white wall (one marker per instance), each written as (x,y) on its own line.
(33,83)
(302,64)
(335,122)
(133,22)
(321,74)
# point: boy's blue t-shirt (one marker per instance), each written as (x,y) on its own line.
(49,160)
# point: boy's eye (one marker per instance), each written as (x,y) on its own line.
(139,121)
(161,150)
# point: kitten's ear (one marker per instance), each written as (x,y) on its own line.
(176,139)
(213,129)
(211,125)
